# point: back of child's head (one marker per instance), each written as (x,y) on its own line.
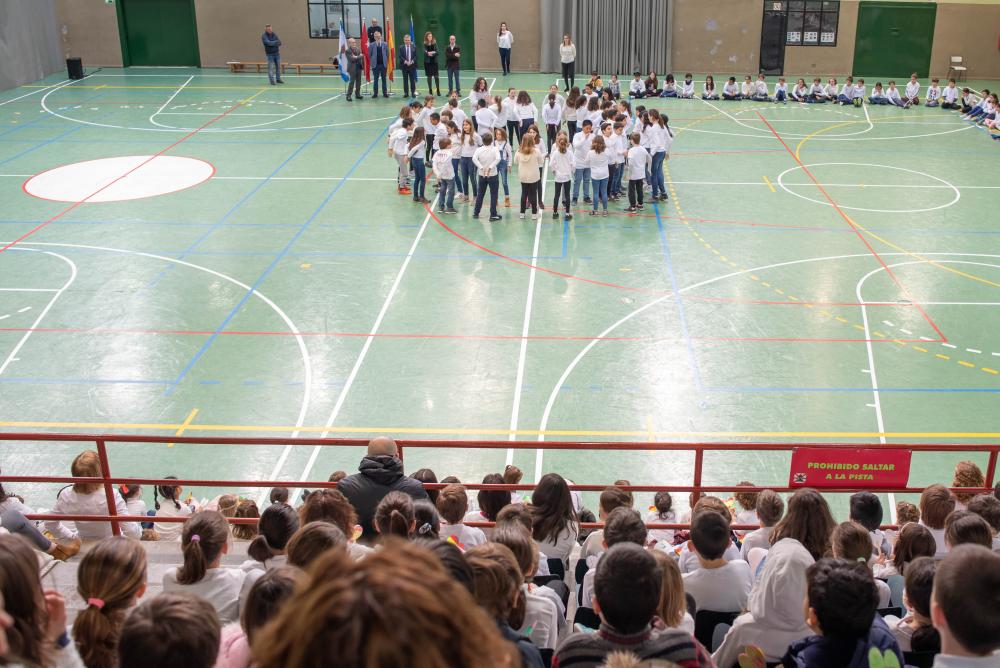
(711,504)
(627,587)
(278,523)
(279,495)
(906,512)
(427,518)
(624,525)
(512,475)
(227,504)
(407,123)
(966,600)
(936,503)
(492,501)
(266,597)
(394,515)
(662,501)
(167,493)
(518,540)
(746,500)
(203,538)
(498,581)
(866,510)
(843,597)
(919,584)
(613,497)
(623,482)
(710,534)
(962,527)
(329,505)
(453,503)
(246,509)
(110,577)
(770,508)
(170,630)
(515,513)
(967,474)
(987,506)
(851,541)
(130,491)
(312,540)
(914,541)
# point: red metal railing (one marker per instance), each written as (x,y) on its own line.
(108,481)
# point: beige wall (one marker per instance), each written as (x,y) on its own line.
(522,17)
(716,36)
(88,29)
(970,31)
(827,60)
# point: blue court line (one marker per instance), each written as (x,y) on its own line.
(677,297)
(752,389)
(32,149)
(274,263)
(232,210)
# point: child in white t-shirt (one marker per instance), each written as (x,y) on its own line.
(661,512)
(453,504)
(166,499)
(718,584)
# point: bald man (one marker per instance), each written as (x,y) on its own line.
(379,473)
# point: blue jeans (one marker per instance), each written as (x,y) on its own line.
(779,96)
(453,74)
(656,174)
(378,72)
(446,196)
(581,175)
(487,183)
(469,176)
(502,170)
(274,67)
(505,60)
(419,177)
(601,192)
(456,164)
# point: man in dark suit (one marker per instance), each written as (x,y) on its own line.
(408,63)
(378,55)
(452,54)
(355,68)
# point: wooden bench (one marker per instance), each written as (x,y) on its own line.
(321,67)
(241,66)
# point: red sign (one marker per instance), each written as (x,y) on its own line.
(836,467)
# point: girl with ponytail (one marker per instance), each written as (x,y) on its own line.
(111,578)
(278,523)
(204,541)
(394,516)
(166,499)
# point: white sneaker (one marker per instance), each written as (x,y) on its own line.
(536,216)
(521,216)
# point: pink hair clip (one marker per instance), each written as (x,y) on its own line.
(96,602)
(195,538)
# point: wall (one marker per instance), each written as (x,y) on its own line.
(716,36)
(225,33)
(523,18)
(970,31)
(827,60)
(29,42)
(89,30)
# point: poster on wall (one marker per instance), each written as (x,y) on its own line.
(842,467)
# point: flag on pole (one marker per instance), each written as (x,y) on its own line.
(342,48)
(364,50)
(392,51)
(413,41)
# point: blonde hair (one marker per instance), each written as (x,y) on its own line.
(673,603)
(527,145)
(86,465)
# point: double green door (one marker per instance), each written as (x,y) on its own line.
(894,39)
(158,33)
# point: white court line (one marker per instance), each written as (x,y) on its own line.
(169,100)
(41,316)
(523,353)
(41,90)
(871,356)
(29,290)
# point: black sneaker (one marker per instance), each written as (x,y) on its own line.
(555,215)
(495,218)
(281,81)
(569,216)
(588,200)
(451,210)
(631,209)
(475,215)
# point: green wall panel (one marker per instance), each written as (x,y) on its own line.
(894,39)
(443,18)
(159,32)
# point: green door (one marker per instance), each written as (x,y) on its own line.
(894,39)
(158,32)
(443,18)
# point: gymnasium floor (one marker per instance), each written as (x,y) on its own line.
(279,287)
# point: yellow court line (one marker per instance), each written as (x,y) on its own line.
(453,431)
(187,423)
(769,184)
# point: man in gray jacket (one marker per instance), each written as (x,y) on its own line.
(272,44)
(355,68)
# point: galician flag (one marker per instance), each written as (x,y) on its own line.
(342,48)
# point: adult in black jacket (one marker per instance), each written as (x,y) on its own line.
(431,63)
(408,63)
(452,58)
(379,473)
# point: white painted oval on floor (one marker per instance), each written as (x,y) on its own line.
(118,179)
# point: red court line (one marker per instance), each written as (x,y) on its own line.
(448,337)
(74,205)
(854,227)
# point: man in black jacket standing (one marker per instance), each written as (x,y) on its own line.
(272,45)
(379,473)
(355,68)
(408,63)
(452,54)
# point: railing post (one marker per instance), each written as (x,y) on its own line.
(109,488)
(991,468)
(699,460)
(399,452)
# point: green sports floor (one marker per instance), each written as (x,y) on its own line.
(819,274)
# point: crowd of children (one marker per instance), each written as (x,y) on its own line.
(791,587)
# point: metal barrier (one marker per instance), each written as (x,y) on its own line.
(109,481)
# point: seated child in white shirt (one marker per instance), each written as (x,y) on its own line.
(769,509)
(852,542)
(453,504)
(623,526)
(915,632)
(611,498)
(961,611)
(934,94)
(661,512)
(719,585)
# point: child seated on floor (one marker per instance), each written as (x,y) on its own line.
(636,89)
(781,91)
(800,93)
(816,93)
(687,89)
(965,608)
(914,632)
(760,89)
(731,90)
(841,603)
(846,91)
(669,87)
(933,94)
(830,90)
(878,95)
(718,584)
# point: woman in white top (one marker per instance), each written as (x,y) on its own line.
(527,112)
(171,506)
(204,541)
(277,524)
(555,526)
(567,57)
(505,40)
(87,499)
(775,618)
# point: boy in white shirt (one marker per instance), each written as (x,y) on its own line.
(760,89)
(878,95)
(636,89)
(622,525)
(687,88)
(912,91)
(781,91)
(846,91)
(621,148)
(858,95)
(719,585)
(816,93)
(731,91)
(445,173)
(581,147)
(486,120)
(669,87)
(638,161)
(453,503)
(398,148)
(949,96)
(963,608)
(933,94)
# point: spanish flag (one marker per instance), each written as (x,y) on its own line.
(392,51)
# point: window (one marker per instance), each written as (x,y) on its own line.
(325,17)
(810,22)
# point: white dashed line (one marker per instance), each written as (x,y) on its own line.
(905,331)
(973,350)
(888,324)
(948,345)
(22,310)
